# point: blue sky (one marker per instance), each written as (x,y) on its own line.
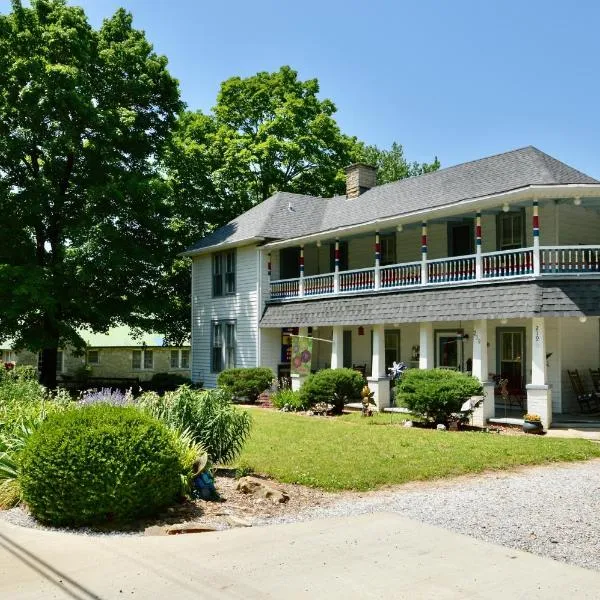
(457,79)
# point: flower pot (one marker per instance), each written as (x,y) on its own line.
(532,427)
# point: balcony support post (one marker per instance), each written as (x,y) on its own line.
(424,273)
(536,239)
(379,382)
(480,370)
(478,257)
(301,282)
(539,394)
(426,346)
(336,274)
(337,347)
(377,281)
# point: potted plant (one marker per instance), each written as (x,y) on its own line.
(532,423)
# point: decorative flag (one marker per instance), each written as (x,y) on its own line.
(301,355)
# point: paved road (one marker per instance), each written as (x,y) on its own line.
(379,556)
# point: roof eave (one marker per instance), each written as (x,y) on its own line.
(514,195)
(222,246)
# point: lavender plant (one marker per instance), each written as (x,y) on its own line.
(106,396)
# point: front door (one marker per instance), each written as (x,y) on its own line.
(511,357)
(460,238)
(449,349)
(392,347)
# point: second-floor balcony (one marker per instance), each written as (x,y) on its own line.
(556,261)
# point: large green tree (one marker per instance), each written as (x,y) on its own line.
(84,115)
(268,132)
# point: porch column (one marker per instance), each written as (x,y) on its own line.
(426,346)
(298,380)
(337,347)
(301,265)
(478,257)
(539,395)
(536,240)
(336,273)
(424,274)
(481,371)
(379,382)
(377,261)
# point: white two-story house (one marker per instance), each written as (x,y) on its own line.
(491,267)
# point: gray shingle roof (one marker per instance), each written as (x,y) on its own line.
(499,301)
(287,215)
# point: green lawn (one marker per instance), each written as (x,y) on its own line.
(352,453)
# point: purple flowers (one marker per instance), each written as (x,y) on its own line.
(106,396)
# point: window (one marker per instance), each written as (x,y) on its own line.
(223,345)
(180,359)
(142,359)
(7,356)
(223,273)
(388,249)
(289,263)
(93,357)
(511,230)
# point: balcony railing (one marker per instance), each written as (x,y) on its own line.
(489,266)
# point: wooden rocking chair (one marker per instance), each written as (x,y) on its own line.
(595,374)
(588,401)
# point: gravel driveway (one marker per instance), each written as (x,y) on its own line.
(552,511)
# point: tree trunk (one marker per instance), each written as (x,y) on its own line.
(48,369)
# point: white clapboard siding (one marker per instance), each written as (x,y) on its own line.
(243,307)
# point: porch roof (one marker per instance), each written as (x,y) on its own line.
(499,301)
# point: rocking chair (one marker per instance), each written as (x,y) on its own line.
(595,374)
(588,401)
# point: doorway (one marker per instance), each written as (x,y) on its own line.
(460,238)
(392,347)
(510,354)
(449,349)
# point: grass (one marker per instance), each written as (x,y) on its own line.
(354,453)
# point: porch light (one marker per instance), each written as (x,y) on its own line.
(361,330)
(504,321)
(582,319)
(505,207)
(318,243)
(577,201)
(399,228)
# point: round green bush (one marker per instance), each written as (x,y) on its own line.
(334,386)
(247,383)
(100,463)
(436,393)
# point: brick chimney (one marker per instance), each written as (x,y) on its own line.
(360,177)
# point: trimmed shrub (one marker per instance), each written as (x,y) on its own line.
(436,393)
(99,463)
(287,397)
(209,415)
(166,382)
(246,383)
(334,386)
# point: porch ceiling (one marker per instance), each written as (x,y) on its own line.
(501,301)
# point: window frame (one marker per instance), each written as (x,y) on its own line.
(224,273)
(143,354)
(500,225)
(179,354)
(223,344)
(89,360)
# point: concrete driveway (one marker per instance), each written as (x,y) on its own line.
(370,556)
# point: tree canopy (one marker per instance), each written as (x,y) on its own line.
(84,116)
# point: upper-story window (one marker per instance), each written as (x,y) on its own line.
(387,243)
(223,269)
(511,230)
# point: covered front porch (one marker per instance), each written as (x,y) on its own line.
(515,339)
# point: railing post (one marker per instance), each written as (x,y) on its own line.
(336,273)
(377,261)
(536,240)
(478,257)
(424,274)
(301,282)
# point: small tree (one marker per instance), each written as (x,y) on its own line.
(246,383)
(333,386)
(436,393)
